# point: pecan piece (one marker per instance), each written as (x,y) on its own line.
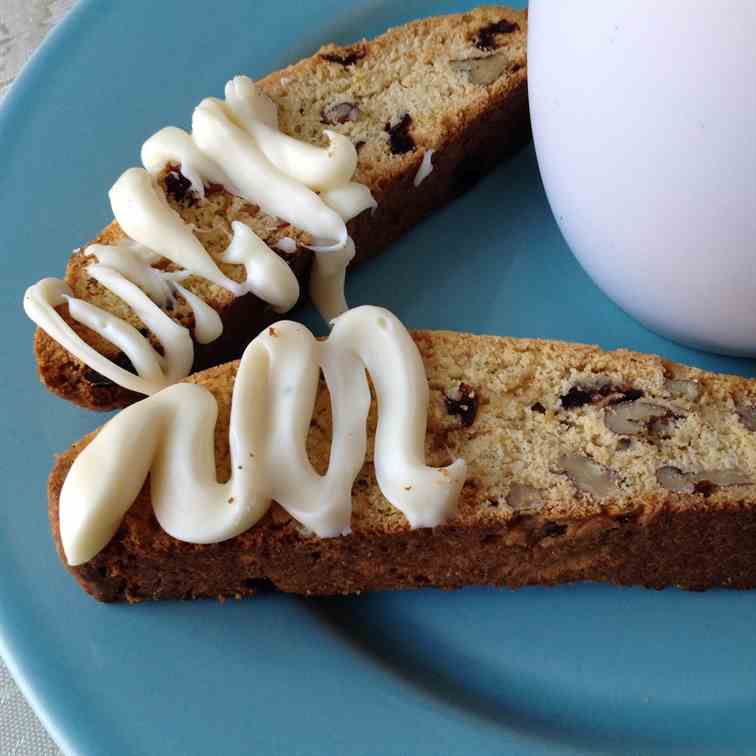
(588,475)
(481,71)
(705,482)
(522,498)
(341,112)
(683,388)
(631,418)
(747,415)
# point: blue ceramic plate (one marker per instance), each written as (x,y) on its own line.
(577,669)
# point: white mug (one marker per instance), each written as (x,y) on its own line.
(644,122)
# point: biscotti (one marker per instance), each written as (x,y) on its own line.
(445,93)
(581,465)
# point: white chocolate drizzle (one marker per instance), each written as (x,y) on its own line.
(287,245)
(234,142)
(273,401)
(425,169)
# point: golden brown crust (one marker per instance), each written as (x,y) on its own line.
(521,423)
(478,126)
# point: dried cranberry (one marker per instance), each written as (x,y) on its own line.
(552,529)
(347,56)
(486,37)
(178,186)
(578,396)
(96,379)
(704,487)
(628,395)
(464,403)
(157,347)
(400,140)
(100,381)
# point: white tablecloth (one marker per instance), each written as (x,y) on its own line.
(23,25)
(21,734)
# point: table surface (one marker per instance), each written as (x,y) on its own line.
(23,26)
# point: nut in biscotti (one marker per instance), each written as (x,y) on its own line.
(341,112)
(588,475)
(747,416)
(674,479)
(631,418)
(482,71)
(524,498)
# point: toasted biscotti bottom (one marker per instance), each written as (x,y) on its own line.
(582,465)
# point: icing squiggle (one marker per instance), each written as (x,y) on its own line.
(234,142)
(425,169)
(125,270)
(273,401)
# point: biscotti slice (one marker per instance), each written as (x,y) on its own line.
(581,465)
(445,95)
